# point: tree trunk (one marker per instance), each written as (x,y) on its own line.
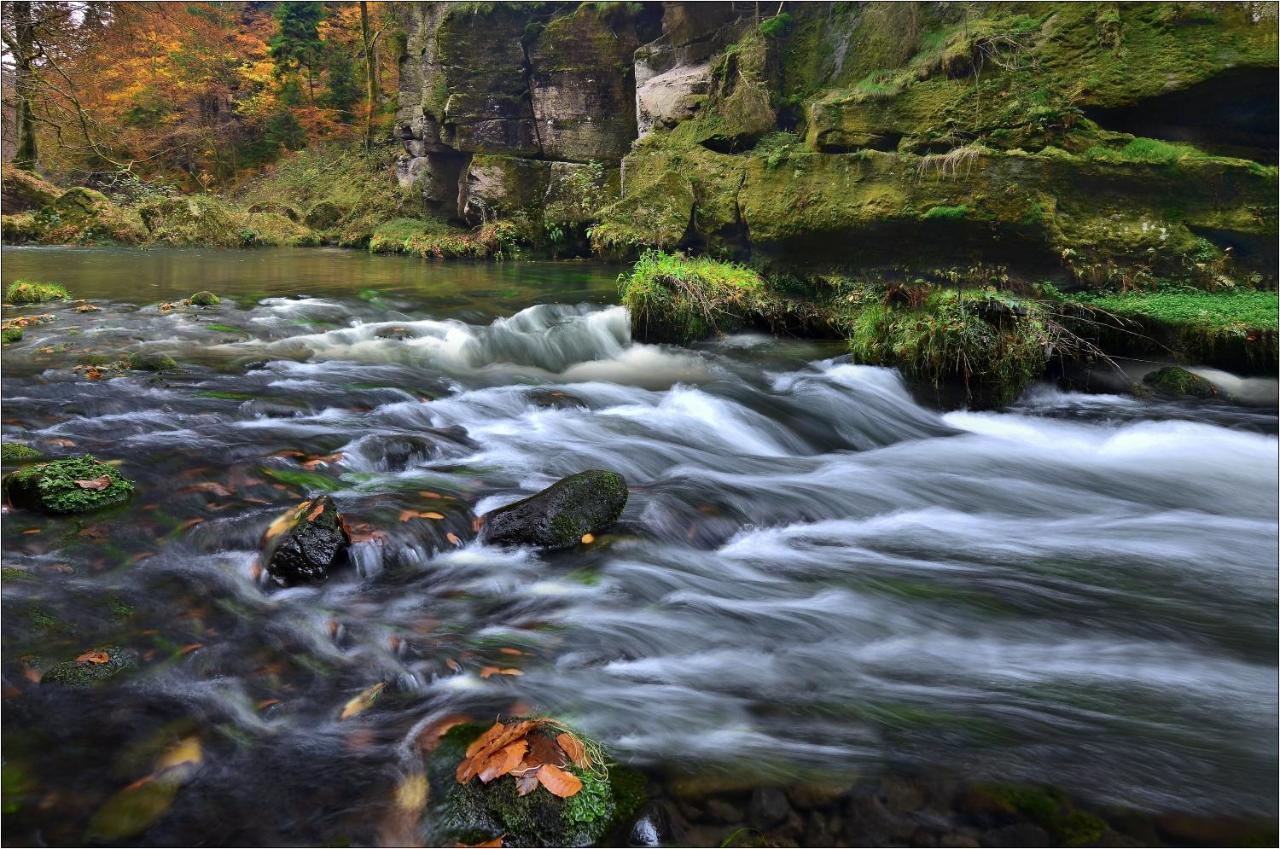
(26,156)
(370,80)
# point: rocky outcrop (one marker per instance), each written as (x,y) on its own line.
(560,515)
(492,98)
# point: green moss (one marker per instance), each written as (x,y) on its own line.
(82,674)
(53,486)
(1180,382)
(678,299)
(1231,310)
(204,299)
(227,328)
(12,452)
(11,334)
(945,212)
(436,239)
(307,481)
(143,361)
(28,292)
(1151,151)
(1051,809)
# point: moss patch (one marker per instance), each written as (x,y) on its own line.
(12,452)
(84,673)
(1179,382)
(22,292)
(53,487)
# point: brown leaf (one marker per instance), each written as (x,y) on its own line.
(526,782)
(316,510)
(429,737)
(94,657)
(503,761)
(493,740)
(544,750)
(431,514)
(495,843)
(587,539)
(485,739)
(362,701)
(574,748)
(488,671)
(510,651)
(99,483)
(209,486)
(452,537)
(560,783)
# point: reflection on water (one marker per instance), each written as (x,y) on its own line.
(813,573)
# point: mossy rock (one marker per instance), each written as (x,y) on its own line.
(19,228)
(80,674)
(204,298)
(56,487)
(1178,382)
(476,812)
(22,292)
(13,452)
(560,515)
(11,334)
(151,361)
(1049,808)
(24,191)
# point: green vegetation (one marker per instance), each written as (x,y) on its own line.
(304,480)
(80,674)
(22,292)
(73,485)
(1151,151)
(678,299)
(945,212)
(1179,382)
(1051,809)
(204,299)
(13,333)
(1229,310)
(13,452)
(435,239)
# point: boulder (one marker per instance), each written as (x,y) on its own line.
(91,668)
(1176,382)
(668,98)
(72,485)
(25,191)
(560,515)
(306,542)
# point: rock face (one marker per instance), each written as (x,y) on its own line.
(559,516)
(492,98)
(312,541)
(73,485)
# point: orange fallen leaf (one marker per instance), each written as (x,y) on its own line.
(209,486)
(511,651)
(587,539)
(93,373)
(426,493)
(503,761)
(94,657)
(316,510)
(97,484)
(488,671)
(189,648)
(453,538)
(574,748)
(266,703)
(60,442)
(30,531)
(429,737)
(560,783)
(495,843)
(493,732)
(453,664)
(432,515)
(360,703)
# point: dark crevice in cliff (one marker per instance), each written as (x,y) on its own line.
(1231,114)
(527,69)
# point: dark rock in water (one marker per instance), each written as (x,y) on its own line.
(1178,382)
(559,516)
(73,485)
(151,361)
(312,541)
(555,399)
(93,668)
(394,333)
(1018,834)
(724,811)
(769,807)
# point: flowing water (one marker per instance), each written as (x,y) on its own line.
(814,574)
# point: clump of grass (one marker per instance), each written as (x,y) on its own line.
(436,239)
(945,213)
(992,343)
(1223,311)
(14,452)
(30,292)
(952,163)
(1150,151)
(11,334)
(680,299)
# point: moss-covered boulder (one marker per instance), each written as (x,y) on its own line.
(12,453)
(25,191)
(306,542)
(72,485)
(324,215)
(204,298)
(91,668)
(151,361)
(9,335)
(470,809)
(560,515)
(1176,382)
(193,220)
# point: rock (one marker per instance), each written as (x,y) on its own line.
(151,361)
(92,670)
(814,795)
(1176,382)
(558,516)
(768,808)
(672,96)
(13,452)
(25,191)
(204,298)
(724,811)
(397,333)
(276,209)
(312,541)
(72,485)
(652,828)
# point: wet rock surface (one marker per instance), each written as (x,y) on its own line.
(314,541)
(559,516)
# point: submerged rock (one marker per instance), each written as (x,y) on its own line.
(308,541)
(1178,382)
(73,485)
(204,298)
(560,515)
(90,668)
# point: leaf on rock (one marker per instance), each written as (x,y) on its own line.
(432,515)
(97,484)
(587,539)
(362,702)
(526,782)
(575,749)
(429,737)
(495,843)
(544,750)
(503,761)
(316,510)
(560,783)
(94,657)
(485,739)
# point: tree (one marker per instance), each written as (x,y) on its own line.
(370,73)
(343,91)
(297,45)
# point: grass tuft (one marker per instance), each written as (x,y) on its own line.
(29,292)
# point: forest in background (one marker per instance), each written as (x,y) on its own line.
(197,95)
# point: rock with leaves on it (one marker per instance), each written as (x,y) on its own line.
(533,782)
(562,514)
(72,485)
(305,543)
(1173,381)
(91,668)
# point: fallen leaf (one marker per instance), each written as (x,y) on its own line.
(575,749)
(94,657)
(488,671)
(453,664)
(526,782)
(31,531)
(432,515)
(511,651)
(96,484)
(185,752)
(503,761)
(411,794)
(209,486)
(60,442)
(266,703)
(189,648)
(495,843)
(426,493)
(560,783)
(93,373)
(453,538)
(544,750)
(316,510)
(493,732)
(587,539)
(360,703)
(429,737)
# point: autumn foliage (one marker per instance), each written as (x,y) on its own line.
(532,752)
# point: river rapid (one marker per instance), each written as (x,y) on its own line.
(815,577)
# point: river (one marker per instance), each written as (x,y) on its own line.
(814,576)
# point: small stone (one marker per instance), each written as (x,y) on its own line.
(723,811)
(312,545)
(1173,381)
(768,808)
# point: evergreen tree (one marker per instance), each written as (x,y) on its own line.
(297,46)
(344,91)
